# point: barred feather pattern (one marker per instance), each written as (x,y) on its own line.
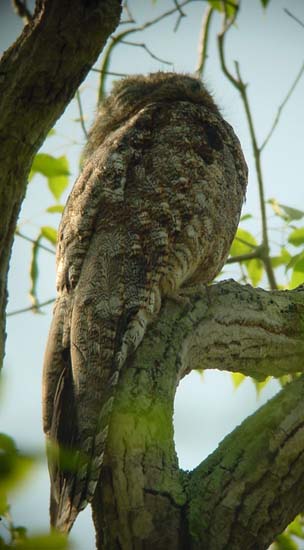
(155,209)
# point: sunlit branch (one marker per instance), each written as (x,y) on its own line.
(281,107)
(203,40)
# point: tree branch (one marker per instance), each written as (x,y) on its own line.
(143,500)
(105,65)
(203,40)
(281,107)
(22,10)
(239,84)
(36,84)
(251,487)
(228,326)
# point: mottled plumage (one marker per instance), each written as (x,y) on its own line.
(155,208)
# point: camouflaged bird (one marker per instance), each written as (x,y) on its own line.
(155,209)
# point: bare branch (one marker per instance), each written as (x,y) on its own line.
(281,107)
(81,117)
(42,246)
(228,326)
(203,40)
(145,47)
(108,72)
(116,39)
(180,16)
(35,308)
(244,257)
(252,485)
(293,17)
(22,10)
(239,84)
(129,14)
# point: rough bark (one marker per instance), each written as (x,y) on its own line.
(39,75)
(252,486)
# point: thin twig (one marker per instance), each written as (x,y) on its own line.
(116,39)
(34,307)
(243,241)
(281,107)
(108,72)
(239,84)
(203,40)
(22,10)
(22,236)
(81,117)
(144,47)
(244,257)
(181,14)
(129,14)
(293,17)
(221,42)
(126,22)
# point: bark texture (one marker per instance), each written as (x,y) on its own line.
(251,487)
(39,75)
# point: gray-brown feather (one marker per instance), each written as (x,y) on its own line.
(155,208)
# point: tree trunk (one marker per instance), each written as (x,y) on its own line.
(39,75)
(251,487)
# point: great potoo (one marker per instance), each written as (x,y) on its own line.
(155,209)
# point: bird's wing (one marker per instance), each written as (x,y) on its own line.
(157,204)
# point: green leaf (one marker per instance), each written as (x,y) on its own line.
(229,8)
(296,527)
(297,277)
(34,272)
(57,185)
(53,541)
(292,213)
(237,379)
(50,166)
(246,217)
(243,243)
(265,3)
(14,466)
(297,237)
(287,213)
(57,208)
(283,259)
(20,531)
(259,385)
(217,5)
(49,233)
(294,259)
(255,270)
(55,169)
(4,507)
(285,542)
